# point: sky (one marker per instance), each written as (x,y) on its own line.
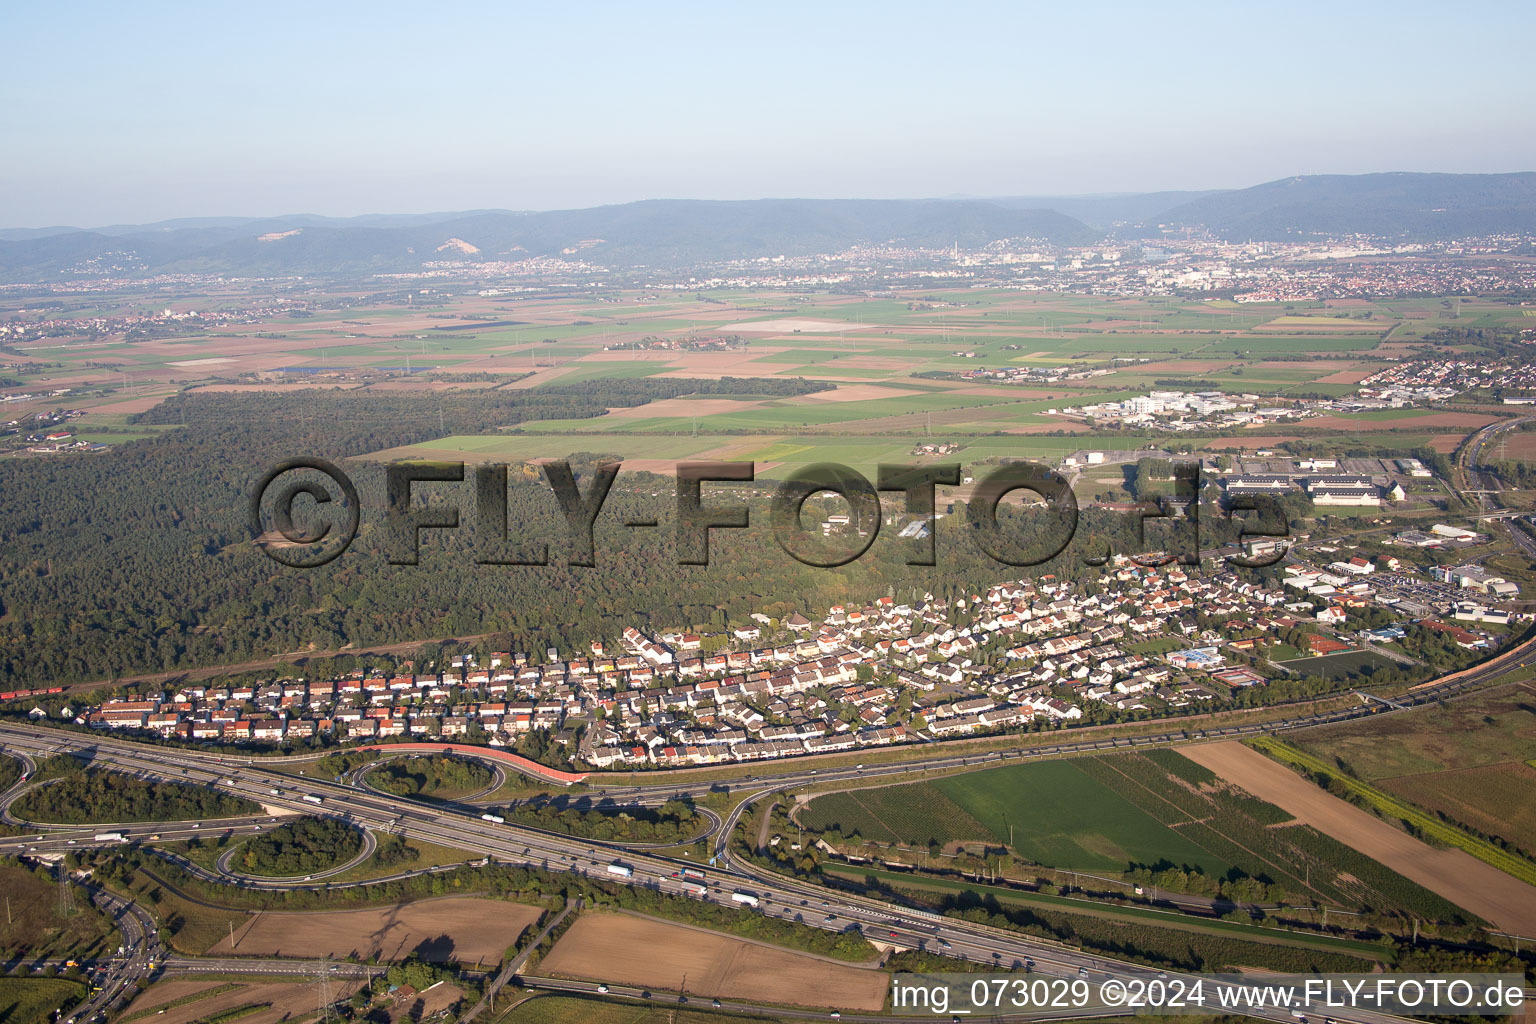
(130,113)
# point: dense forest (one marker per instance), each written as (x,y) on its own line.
(439,776)
(81,796)
(672,822)
(141,559)
(301,847)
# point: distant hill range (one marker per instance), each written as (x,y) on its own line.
(667,233)
(1411,207)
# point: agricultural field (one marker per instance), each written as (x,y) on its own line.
(1452,873)
(633,950)
(33,1000)
(468,930)
(1115,813)
(1493,727)
(1058,813)
(913,815)
(898,362)
(189,1000)
(1467,760)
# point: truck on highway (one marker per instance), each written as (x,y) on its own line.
(622,870)
(745,898)
(310,798)
(276,792)
(494,819)
(111,837)
(693,874)
(698,889)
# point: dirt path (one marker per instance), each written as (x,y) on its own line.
(1461,878)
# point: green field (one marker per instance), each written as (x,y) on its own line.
(1052,813)
(1153,810)
(1056,814)
(33,1000)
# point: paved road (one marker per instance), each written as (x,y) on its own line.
(1485,484)
(728,882)
(775,895)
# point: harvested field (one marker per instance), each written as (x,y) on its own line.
(853,393)
(1345,377)
(789,325)
(1521,445)
(542,375)
(467,929)
(287,1000)
(132,405)
(1458,876)
(624,355)
(640,951)
(684,406)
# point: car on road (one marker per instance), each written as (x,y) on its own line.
(603,989)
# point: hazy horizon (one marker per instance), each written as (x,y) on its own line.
(114,118)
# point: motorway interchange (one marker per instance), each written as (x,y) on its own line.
(462,828)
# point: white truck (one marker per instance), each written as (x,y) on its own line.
(745,898)
(310,798)
(697,889)
(110,837)
(494,819)
(622,870)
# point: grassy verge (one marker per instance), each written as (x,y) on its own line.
(1420,822)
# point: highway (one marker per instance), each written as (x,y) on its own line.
(461,827)
(775,895)
(1483,484)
